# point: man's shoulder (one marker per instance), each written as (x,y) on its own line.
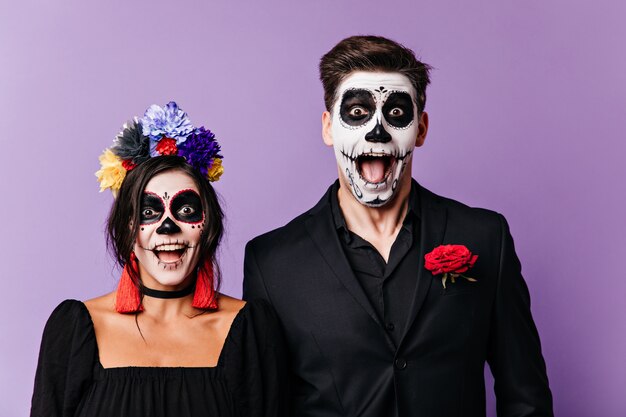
(457,210)
(284,234)
(291,233)
(473,218)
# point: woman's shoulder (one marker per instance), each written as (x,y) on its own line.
(69,326)
(68,312)
(255,323)
(74,318)
(66,360)
(230,305)
(254,360)
(257,311)
(100,306)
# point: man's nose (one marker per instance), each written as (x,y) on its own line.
(378,134)
(168,227)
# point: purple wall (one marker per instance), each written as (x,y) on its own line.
(527,110)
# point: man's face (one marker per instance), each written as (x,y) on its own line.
(374,127)
(171,220)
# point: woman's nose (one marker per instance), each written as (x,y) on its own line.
(168,227)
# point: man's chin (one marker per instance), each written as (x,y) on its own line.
(365,193)
(377,200)
(377,197)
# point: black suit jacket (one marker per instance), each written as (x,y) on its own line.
(345,364)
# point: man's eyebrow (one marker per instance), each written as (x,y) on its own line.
(358,93)
(399,96)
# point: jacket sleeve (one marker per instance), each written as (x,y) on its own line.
(521,382)
(253,283)
(66,361)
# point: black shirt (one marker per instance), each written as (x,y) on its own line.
(390,286)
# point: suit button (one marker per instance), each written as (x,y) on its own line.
(390,327)
(400,363)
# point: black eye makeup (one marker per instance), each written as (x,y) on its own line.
(186,206)
(398,109)
(357,107)
(152,208)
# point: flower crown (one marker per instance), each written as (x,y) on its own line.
(161,131)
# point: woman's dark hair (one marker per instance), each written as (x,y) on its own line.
(124,219)
(371,53)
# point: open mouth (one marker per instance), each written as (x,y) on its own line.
(170,253)
(375,168)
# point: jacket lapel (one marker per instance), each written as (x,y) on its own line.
(321,228)
(433,226)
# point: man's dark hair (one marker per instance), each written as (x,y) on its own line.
(371,53)
(124,220)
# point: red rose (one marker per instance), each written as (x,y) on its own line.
(167,146)
(128,164)
(449,258)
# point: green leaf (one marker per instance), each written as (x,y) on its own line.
(469,278)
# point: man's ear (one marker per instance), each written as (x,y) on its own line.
(326,131)
(422,129)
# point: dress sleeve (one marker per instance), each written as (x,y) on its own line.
(66,361)
(255,363)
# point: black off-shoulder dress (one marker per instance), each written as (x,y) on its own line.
(249,380)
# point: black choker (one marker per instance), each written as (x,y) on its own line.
(167,294)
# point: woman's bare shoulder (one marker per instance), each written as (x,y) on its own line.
(101,306)
(230,304)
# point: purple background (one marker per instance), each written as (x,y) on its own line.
(527,110)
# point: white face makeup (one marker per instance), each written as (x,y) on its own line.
(172,219)
(374,127)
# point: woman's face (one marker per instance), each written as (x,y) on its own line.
(171,223)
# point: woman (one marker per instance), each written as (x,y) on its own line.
(165,343)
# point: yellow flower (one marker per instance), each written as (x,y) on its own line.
(216,170)
(111,172)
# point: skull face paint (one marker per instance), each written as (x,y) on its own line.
(374,127)
(186,207)
(171,219)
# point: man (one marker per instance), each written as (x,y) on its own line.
(374,329)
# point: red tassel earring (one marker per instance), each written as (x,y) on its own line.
(204,297)
(127,298)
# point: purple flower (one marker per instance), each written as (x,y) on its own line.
(199,149)
(169,121)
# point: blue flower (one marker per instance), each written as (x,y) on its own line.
(169,121)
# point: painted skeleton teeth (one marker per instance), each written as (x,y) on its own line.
(376,154)
(170,247)
(382,154)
